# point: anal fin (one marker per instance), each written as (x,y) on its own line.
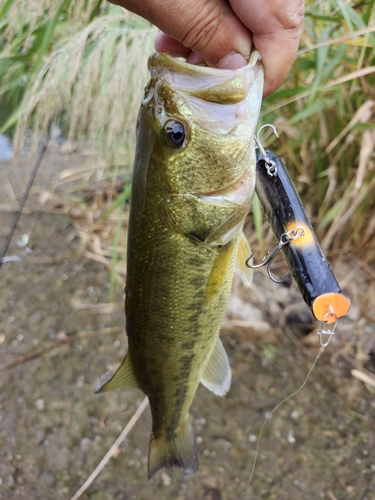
(217,375)
(122,377)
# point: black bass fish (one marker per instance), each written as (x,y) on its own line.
(193,182)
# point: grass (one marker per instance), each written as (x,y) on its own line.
(325,117)
(86,76)
(83,66)
(28,32)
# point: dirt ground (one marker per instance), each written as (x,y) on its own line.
(54,430)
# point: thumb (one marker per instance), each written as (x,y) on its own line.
(209,28)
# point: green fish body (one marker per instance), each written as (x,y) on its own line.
(193,182)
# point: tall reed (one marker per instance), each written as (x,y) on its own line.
(325,116)
(85,64)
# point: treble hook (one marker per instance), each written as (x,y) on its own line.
(285,239)
(270,165)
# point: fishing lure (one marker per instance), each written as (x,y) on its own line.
(297,240)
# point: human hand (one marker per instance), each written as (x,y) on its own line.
(223,32)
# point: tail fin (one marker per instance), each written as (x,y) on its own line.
(181,451)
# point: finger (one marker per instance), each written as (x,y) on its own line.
(277,63)
(193,58)
(207,27)
(164,43)
(276,26)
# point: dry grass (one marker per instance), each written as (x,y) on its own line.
(95,79)
(91,78)
(34,12)
(98,214)
(325,116)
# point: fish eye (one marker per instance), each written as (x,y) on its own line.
(174,133)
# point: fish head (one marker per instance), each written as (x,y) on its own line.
(203,121)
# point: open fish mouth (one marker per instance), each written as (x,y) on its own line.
(224,86)
(217,99)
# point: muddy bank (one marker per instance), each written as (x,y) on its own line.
(54,430)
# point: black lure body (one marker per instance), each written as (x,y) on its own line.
(286,215)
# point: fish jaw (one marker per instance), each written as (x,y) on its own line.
(212,84)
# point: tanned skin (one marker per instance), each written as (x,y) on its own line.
(223,32)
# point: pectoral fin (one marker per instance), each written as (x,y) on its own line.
(122,377)
(244,252)
(217,375)
(208,220)
(219,271)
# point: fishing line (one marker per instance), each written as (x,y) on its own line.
(17,215)
(322,348)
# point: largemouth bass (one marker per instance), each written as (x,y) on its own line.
(193,182)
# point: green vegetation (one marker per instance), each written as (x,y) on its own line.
(76,64)
(325,116)
(28,32)
(83,65)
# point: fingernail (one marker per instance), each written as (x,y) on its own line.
(193,58)
(234,60)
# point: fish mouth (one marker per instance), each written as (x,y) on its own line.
(223,86)
(218,100)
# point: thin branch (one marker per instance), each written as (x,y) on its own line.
(112,449)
